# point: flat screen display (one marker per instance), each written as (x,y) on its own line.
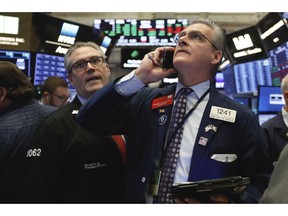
(273,29)
(135,32)
(278,59)
(57,35)
(230,86)
(132,57)
(47,65)
(251,74)
(245,45)
(270,99)
(20,58)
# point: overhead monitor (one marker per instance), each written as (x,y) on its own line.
(57,35)
(132,57)
(270,99)
(249,75)
(278,59)
(15,31)
(228,74)
(273,29)
(245,45)
(20,58)
(142,32)
(47,65)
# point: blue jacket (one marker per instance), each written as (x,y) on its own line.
(134,116)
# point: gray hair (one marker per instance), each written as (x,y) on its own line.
(68,63)
(218,35)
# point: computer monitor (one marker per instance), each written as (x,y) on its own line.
(273,29)
(249,75)
(131,57)
(278,60)
(142,32)
(245,45)
(20,58)
(270,99)
(47,65)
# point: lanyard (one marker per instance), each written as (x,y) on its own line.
(184,119)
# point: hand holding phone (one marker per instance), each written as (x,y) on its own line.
(167,59)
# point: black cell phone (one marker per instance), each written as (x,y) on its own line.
(167,59)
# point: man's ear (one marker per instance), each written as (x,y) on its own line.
(70,78)
(3,93)
(217,57)
(45,94)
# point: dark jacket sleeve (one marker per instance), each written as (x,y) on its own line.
(111,103)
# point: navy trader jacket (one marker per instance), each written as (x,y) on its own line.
(68,164)
(276,135)
(146,134)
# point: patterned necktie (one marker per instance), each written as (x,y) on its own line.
(173,148)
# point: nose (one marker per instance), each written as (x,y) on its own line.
(90,67)
(89,64)
(183,40)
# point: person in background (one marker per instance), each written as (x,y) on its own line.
(67,163)
(277,190)
(55,92)
(276,129)
(20,115)
(221,138)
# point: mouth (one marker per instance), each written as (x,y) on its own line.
(93,78)
(181,51)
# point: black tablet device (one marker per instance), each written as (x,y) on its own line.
(232,186)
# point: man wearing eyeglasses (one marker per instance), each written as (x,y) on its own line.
(67,163)
(220,137)
(55,92)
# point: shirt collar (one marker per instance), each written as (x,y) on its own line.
(199,89)
(81,99)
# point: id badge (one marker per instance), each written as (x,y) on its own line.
(154,183)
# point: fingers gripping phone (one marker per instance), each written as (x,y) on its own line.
(167,59)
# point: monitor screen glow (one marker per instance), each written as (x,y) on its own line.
(20,58)
(270,99)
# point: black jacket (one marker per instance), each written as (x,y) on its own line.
(68,164)
(276,135)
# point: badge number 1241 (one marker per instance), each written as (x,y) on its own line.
(223,114)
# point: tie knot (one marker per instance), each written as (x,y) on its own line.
(184,91)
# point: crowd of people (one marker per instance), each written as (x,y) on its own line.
(62,151)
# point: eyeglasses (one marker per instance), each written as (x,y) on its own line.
(81,65)
(62,98)
(193,36)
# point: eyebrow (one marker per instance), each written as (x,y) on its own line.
(183,33)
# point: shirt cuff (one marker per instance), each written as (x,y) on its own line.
(129,84)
